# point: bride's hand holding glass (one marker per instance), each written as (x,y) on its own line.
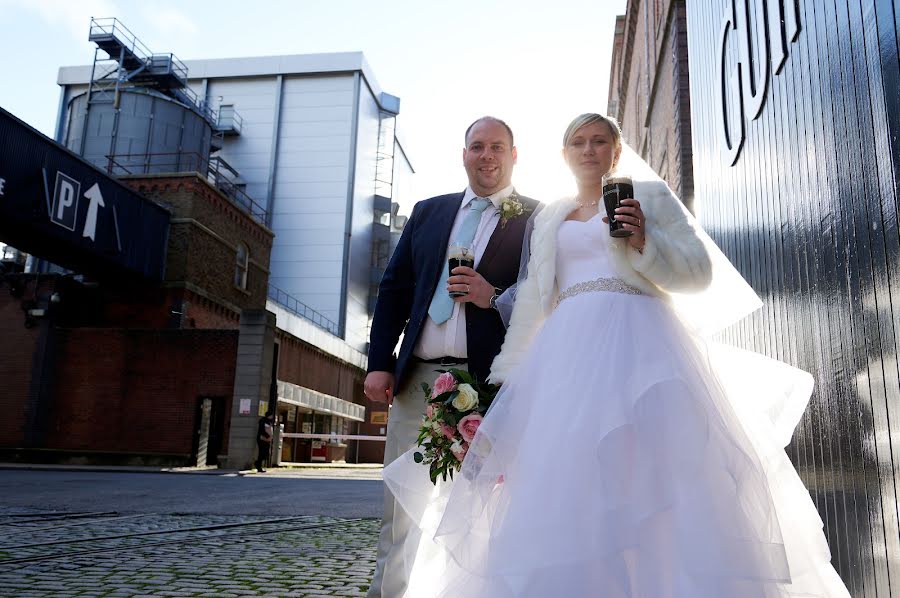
(591,149)
(631,216)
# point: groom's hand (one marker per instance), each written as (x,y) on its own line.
(477,289)
(379,387)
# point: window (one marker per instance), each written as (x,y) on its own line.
(242,259)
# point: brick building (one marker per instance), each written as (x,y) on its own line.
(106,365)
(649,88)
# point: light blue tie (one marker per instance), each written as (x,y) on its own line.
(441,307)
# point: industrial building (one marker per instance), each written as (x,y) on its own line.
(311,138)
(275,180)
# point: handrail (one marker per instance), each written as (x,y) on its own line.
(112,25)
(303,436)
(228,115)
(218,172)
(299,308)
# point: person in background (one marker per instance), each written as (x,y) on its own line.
(264,434)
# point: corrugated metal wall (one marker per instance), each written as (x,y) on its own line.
(808,213)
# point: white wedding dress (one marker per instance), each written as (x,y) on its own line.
(624,457)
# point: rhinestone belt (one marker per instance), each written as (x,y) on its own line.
(612,285)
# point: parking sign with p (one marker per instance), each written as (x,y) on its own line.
(65,201)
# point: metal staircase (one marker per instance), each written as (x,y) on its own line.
(130,63)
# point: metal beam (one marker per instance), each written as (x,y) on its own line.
(348,221)
(273,155)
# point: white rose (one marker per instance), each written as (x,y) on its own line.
(466,399)
(436,426)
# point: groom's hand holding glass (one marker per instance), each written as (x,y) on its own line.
(475,288)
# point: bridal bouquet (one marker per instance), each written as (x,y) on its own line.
(456,405)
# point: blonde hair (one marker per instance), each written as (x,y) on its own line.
(591,118)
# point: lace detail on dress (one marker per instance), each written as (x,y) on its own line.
(613,285)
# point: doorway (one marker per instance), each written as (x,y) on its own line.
(210,428)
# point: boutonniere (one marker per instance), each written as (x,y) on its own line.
(511,207)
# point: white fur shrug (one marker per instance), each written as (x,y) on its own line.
(674,260)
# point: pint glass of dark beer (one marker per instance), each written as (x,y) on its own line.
(460,256)
(615,190)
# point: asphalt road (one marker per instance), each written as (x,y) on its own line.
(212,493)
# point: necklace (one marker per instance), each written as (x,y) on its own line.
(587,204)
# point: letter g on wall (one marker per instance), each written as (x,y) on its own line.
(761,29)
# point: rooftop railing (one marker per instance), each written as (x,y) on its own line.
(216,171)
(299,308)
(113,28)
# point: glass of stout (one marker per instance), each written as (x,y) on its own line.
(459,255)
(615,190)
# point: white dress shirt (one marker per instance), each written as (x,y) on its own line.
(449,338)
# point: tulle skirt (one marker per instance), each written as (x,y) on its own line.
(624,458)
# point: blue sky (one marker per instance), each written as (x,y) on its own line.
(535,64)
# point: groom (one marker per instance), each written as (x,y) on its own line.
(439,332)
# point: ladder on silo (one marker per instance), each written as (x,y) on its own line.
(384,154)
(383,212)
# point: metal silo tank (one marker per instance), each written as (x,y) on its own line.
(150,133)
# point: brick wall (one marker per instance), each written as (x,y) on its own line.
(302,364)
(206,229)
(16,352)
(650,89)
(137,391)
(133,360)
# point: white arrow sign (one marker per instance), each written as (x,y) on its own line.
(90,223)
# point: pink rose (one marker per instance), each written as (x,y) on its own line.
(448,431)
(459,450)
(444,383)
(468,425)
(429,411)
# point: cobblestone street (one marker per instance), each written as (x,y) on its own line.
(175,556)
(68,552)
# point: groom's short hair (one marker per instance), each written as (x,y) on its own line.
(492,119)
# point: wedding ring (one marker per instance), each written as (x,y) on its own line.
(467,288)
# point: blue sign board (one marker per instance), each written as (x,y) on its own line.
(61,208)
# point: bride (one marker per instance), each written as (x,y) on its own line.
(625,455)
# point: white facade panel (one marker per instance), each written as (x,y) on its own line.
(320,144)
(312,173)
(360,263)
(312,193)
(310,188)
(250,152)
(316,238)
(313,269)
(309,220)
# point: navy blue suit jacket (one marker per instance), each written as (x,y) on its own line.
(412,276)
